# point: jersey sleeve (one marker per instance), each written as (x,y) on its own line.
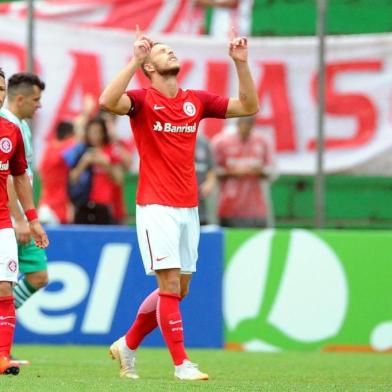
(18,164)
(137,100)
(214,106)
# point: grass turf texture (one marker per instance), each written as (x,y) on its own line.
(86,368)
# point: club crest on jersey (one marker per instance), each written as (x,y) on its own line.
(5,145)
(12,265)
(189,109)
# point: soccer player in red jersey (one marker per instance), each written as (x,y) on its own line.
(164,120)
(12,161)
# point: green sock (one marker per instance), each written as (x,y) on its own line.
(23,290)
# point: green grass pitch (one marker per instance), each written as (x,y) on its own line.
(87,368)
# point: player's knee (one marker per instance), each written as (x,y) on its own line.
(5,289)
(42,281)
(184,292)
(39,279)
(171,285)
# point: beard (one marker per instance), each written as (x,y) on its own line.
(169,71)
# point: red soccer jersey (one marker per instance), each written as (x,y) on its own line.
(119,206)
(242,197)
(165,135)
(54,178)
(103,186)
(12,161)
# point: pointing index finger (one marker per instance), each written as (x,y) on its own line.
(138,32)
(232,34)
(142,37)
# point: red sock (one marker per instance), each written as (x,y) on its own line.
(170,322)
(7,324)
(146,321)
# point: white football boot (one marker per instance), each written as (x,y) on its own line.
(189,371)
(126,357)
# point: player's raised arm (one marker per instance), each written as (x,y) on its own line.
(247,103)
(113,98)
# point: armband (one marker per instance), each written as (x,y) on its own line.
(31,214)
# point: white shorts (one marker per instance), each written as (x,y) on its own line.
(9,267)
(168,237)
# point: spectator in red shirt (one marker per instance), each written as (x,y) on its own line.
(124,150)
(206,177)
(245,167)
(55,207)
(96,164)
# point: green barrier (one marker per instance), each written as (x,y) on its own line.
(298,17)
(308,290)
(359,202)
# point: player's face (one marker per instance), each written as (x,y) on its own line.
(30,102)
(95,135)
(3,91)
(164,60)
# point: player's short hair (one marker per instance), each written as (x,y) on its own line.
(64,129)
(2,74)
(147,59)
(23,81)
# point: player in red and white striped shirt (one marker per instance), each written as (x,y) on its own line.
(12,161)
(164,121)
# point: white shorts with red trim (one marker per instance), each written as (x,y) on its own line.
(9,267)
(168,237)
